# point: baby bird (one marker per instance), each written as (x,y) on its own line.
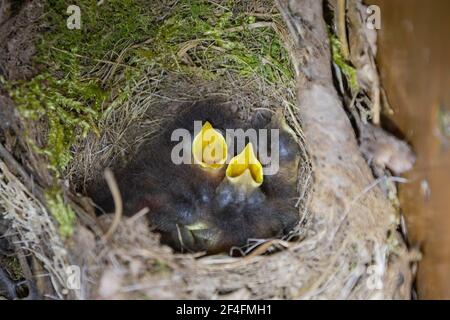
(208,205)
(178,196)
(282,184)
(241,209)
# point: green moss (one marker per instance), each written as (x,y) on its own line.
(91,70)
(220,41)
(12,264)
(63,214)
(71,110)
(346,68)
(107,28)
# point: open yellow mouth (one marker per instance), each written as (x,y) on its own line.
(209,148)
(245,169)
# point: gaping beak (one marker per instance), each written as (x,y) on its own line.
(209,148)
(245,170)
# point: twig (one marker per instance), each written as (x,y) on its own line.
(376,117)
(93,59)
(342,30)
(112,184)
(138,215)
(262,15)
(28,274)
(264,247)
(252,26)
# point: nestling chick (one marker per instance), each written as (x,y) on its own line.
(241,209)
(283,184)
(177,196)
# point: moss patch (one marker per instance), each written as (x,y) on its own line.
(12,264)
(63,214)
(338,58)
(70,108)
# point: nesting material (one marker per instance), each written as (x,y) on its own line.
(345,246)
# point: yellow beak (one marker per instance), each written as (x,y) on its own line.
(245,169)
(209,148)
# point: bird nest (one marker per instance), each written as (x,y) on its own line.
(345,245)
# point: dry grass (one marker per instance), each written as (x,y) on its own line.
(326,256)
(34,228)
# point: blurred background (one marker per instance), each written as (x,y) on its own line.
(413,57)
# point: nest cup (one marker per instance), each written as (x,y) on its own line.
(242,96)
(325,256)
